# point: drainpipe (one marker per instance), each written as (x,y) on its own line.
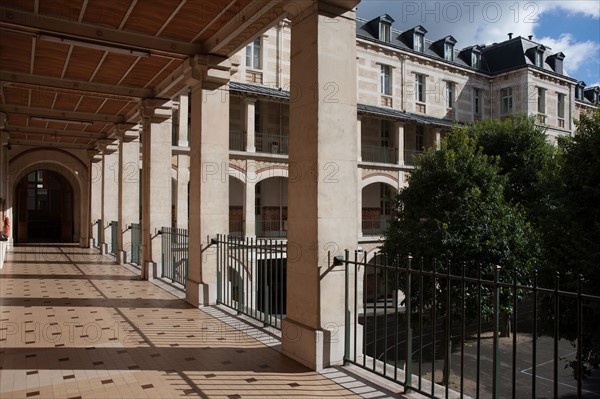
(402,60)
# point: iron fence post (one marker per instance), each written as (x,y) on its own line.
(347,310)
(496,375)
(408,312)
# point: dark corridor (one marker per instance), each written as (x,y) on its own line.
(44,208)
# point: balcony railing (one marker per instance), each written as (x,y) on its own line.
(375,227)
(237,140)
(271,143)
(271,228)
(372,153)
(410,156)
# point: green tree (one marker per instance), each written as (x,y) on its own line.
(577,228)
(454,209)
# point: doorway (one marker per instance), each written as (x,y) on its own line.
(44,208)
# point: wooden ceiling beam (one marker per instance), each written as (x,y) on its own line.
(59,114)
(77,86)
(31,23)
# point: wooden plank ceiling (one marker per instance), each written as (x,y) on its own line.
(70,70)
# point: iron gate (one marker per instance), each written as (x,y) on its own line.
(175,251)
(251,277)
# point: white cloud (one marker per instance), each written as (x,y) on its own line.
(486,22)
(589,8)
(577,54)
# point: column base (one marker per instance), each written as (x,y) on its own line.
(316,349)
(148,271)
(121,257)
(199,294)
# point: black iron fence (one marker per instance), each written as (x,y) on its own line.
(97,241)
(251,277)
(175,250)
(114,231)
(447,330)
(135,254)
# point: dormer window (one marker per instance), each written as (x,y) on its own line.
(385,32)
(419,42)
(449,51)
(579,89)
(476,60)
(539,58)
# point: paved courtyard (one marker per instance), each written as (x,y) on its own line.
(73,324)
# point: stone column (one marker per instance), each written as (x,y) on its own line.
(249,207)
(183,165)
(250,114)
(110,193)
(359,138)
(399,128)
(95,190)
(437,138)
(323,196)
(96,178)
(209,180)
(129,185)
(156,181)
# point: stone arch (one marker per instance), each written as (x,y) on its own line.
(72,168)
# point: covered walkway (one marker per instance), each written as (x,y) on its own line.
(73,324)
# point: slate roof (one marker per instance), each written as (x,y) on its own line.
(247,88)
(265,91)
(495,58)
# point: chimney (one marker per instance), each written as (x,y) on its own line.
(530,37)
(510,36)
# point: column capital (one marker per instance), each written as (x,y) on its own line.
(94,156)
(126,132)
(209,71)
(398,124)
(249,100)
(156,109)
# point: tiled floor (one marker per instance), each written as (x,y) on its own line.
(75,325)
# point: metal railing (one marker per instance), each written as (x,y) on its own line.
(237,140)
(271,228)
(410,156)
(375,227)
(136,244)
(175,250)
(271,143)
(443,330)
(98,233)
(251,277)
(372,153)
(114,231)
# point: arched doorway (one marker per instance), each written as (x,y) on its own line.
(44,208)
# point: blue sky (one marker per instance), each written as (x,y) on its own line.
(572,27)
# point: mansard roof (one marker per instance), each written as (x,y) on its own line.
(496,58)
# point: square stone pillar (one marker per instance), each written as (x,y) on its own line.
(182,137)
(250,108)
(249,207)
(129,186)
(209,179)
(399,129)
(359,138)
(96,184)
(323,195)
(156,181)
(183,178)
(110,193)
(437,138)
